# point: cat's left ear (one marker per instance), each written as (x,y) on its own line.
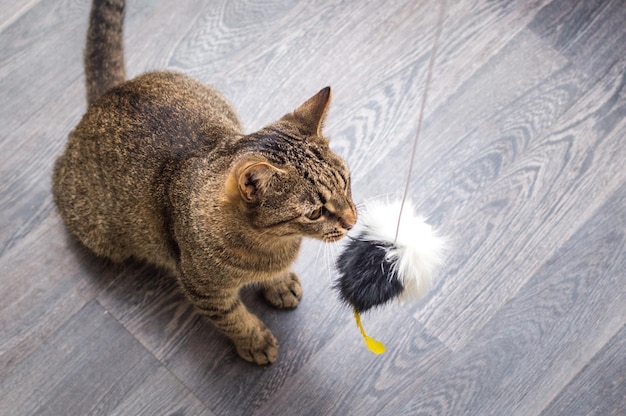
(254,178)
(312,113)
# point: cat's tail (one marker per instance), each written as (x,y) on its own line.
(104,54)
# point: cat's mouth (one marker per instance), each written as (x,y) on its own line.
(333,236)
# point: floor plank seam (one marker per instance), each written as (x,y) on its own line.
(149,351)
(582,370)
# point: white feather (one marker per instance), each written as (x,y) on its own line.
(418,250)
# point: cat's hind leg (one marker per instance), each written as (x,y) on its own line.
(284,292)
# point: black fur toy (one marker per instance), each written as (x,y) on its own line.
(377,266)
(388,259)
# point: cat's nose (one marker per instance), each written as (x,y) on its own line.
(348,219)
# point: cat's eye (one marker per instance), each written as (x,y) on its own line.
(316,214)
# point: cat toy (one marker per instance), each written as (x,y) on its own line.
(391,258)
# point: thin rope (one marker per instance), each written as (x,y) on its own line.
(429,76)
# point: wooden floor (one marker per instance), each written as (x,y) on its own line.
(522,164)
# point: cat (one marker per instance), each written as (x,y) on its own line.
(158,169)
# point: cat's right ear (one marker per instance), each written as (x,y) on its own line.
(254,178)
(312,113)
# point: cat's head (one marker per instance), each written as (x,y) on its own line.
(288,180)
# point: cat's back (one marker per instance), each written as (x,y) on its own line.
(154,116)
(110,183)
(168,103)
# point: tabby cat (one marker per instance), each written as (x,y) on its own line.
(159,169)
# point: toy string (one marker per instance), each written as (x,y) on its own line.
(429,75)
(374,345)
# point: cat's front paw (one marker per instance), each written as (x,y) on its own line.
(285,292)
(260,348)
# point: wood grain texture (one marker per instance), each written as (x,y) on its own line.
(42,287)
(33,60)
(521,163)
(589,32)
(11,11)
(534,346)
(346,379)
(159,394)
(40,62)
(93,366)
(598,389)
(198,354)
(552,178)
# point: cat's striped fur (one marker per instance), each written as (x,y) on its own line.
(159,169)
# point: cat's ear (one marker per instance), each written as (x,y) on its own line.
(253,178)
(311,114)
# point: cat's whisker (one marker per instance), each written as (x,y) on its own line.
(327,264)
(333,249)
(388,196)
(317,255)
